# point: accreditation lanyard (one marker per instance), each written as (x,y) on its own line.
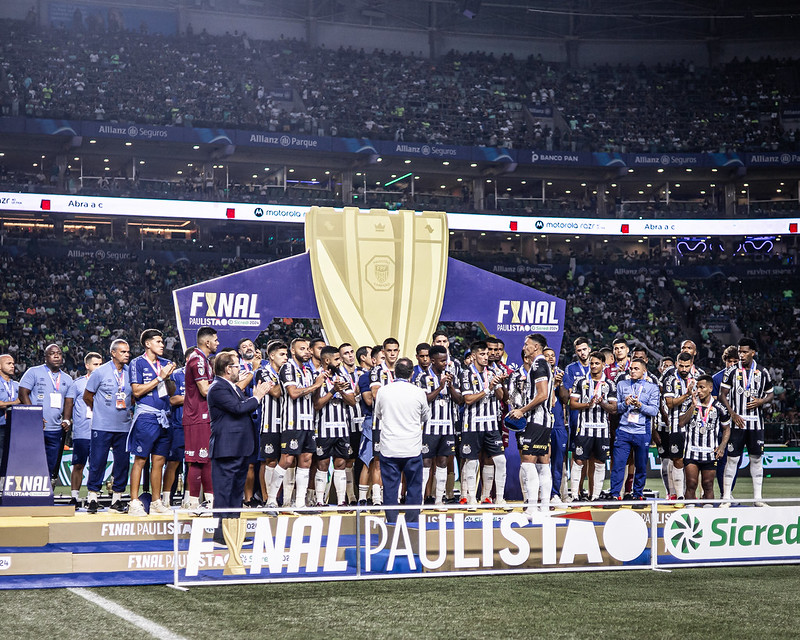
(156,366)
(9,387)
(634,389)
(56,380)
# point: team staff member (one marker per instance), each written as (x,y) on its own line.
(108,395)
(637,404)
(535,440)
(81,427)
(233,438)
(47,386)
(402,409)
(9,395)
(196,423)
(744,391)
(703,420)
(150,435)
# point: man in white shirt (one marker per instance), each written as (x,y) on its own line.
(403,410)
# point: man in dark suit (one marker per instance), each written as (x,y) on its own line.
(232,433)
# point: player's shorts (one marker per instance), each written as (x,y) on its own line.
(196,441)
(297,441)
(596,447)
(376,440)
(473,442)
(269,447)
(674,445)
(176,445)
(754,439)
(80,451)
(355,444)
(535,440)
(704,465)
(438,446)
(334,448)
(147,437)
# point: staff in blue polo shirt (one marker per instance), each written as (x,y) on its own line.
(108,395)
(82,427)
(47,386)
(9,395)
(637,404)
(151,435)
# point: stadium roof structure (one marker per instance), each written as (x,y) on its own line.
(576,19)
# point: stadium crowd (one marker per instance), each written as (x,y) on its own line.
(460,98)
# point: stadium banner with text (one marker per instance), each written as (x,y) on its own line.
(410,149)
(503,223)
(340,545)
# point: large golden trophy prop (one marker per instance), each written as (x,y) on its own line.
(378,274)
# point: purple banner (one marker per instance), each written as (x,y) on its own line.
(243,304)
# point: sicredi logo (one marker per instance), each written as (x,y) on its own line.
(224,309)
(705,534)
(526,316)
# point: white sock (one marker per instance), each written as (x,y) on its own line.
(289,482)
(469,481)
(599,477)
(362,492)
(545,485)
(210,500)
(350,489)
(500,476)
(523,485)
(92,495)
(301,486)
(487,478)
(666,475)
(426,473)
(575,480)
(320,480)
(268,473)
(450,483)
(377,497)
(757,474)
(76,493)
(340,484)
(165,497)
(115,496)
(727,479)
(278,476)
(441,483)
(531,478)
(679,481)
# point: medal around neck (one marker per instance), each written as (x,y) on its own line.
(378,273)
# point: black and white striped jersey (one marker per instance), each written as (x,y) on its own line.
(270,407)
(332,419)
(593,421)
(483,414)
(743,386)
(297,414)
(355,415)
(542,414)
(703,432)
(442,407)
(674,386)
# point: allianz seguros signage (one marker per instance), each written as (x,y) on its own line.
(374,274)
(732,534)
